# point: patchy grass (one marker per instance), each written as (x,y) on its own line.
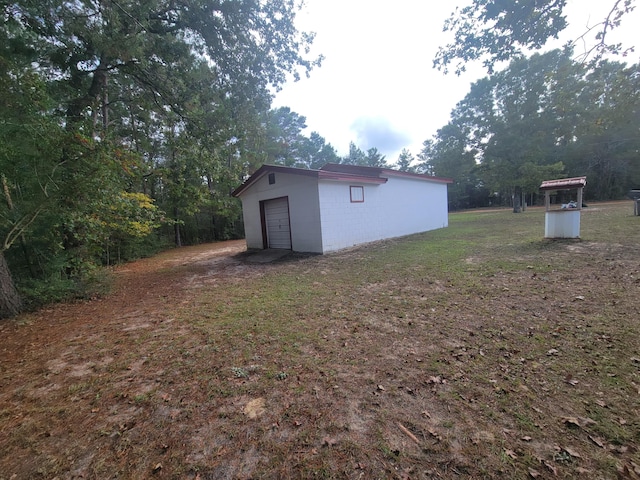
(478,351)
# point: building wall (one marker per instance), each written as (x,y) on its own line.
(402,206)
(304,210)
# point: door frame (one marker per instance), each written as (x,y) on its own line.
(263,221)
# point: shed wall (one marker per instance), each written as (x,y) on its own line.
(304,210)
(402,206)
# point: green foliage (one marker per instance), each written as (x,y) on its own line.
(405,161)
(370,158)
(543,117)
(133,214)
(496,31)
(281,141)
(112,113)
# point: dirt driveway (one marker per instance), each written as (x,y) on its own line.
(139,297)
(57,352)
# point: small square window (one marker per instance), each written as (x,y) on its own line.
(357,194)
(272,178)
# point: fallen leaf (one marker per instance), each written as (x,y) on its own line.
(619,448)
(578,421)
(551,468)
(597,441)
(601,403)
(157,468)
(622,421)
(534,473)
(572,452)
(434,434)
(432,379)
(571,421)
(381,388)
(510,453)
(570,380)
(328,442)
(553,351)
(526,438)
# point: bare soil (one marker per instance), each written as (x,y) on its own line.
(514,376)
(50,358)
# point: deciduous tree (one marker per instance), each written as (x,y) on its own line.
(545,116)
(117,76)
(499,30)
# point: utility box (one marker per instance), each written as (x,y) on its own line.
(562,220)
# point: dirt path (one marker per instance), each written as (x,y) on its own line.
(139,297)
(53,356)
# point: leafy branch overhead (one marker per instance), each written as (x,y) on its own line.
(494,31)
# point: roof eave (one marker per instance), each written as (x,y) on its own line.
(564,183)
(266,169)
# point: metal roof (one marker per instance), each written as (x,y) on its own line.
(337,172)
(379,171)
(320,174)
(564,183)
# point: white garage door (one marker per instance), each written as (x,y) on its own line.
(276,214)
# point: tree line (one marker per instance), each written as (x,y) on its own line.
(545,116)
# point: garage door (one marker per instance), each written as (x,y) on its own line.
(276,215)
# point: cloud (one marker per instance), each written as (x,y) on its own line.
(378,132)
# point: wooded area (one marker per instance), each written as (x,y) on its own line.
(119,118)
(545,116)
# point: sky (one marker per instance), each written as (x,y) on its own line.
(377,86)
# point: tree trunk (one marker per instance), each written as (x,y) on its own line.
(516,200)
(176,228)
(10,302)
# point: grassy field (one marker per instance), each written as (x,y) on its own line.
(477,351)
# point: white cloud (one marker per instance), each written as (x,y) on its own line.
(377,77)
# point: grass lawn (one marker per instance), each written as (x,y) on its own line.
(480,350)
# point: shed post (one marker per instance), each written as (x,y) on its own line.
(579,198)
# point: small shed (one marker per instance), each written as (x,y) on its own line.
(563,219)
(338,206)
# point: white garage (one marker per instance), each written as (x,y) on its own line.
(338,206)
